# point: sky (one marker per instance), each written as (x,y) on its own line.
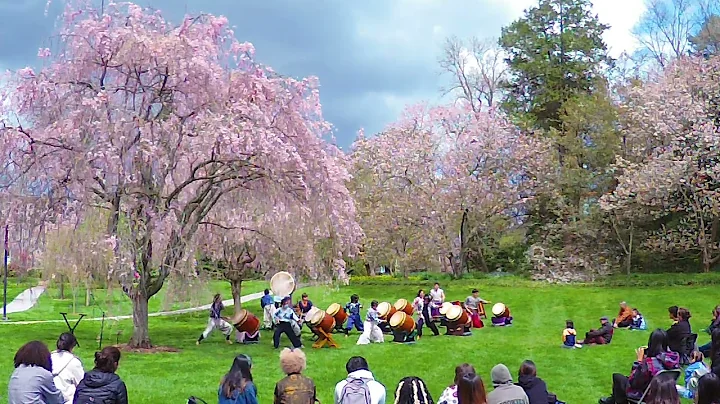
(372,57)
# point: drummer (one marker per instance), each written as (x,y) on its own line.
(284,318)
(438,298)
(474,304)
(353,311)
(304,305)
(216,321)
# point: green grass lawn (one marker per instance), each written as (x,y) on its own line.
(576,376)
(115,303)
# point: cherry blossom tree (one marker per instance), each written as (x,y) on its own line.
(157,123)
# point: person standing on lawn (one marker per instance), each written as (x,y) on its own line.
(474,303)
(284,318)
(268,308)
(438,298)
(216,321)
(353,311)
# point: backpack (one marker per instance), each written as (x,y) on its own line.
(196,400)
(356,391)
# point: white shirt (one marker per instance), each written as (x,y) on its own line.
(377,390)
(68,372)
(437,295)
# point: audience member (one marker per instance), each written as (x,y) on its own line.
(708,391)
(650,361)
(359,384)
(715,352)
(693,373)
(471,390)
(32,379)
(569,336)
(624,318)
(449,395)
(662,390)
(237,386)
(66,367)
(505,391)
(534,387)
(601,336)
(102,385)
(714,324)
(412,390)
(295,388)
(638,321)
(679,330)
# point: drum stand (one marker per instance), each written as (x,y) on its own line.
(324,339)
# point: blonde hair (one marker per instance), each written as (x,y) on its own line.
(292,361)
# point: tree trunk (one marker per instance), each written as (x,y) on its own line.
(463,257)
(236,287)
(87,295)
(141,330)
(62,288)
(628,256)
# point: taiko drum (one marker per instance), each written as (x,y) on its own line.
(500,310)
(445,307)
(386,310)
(404,306)
(402,322)
(338,313)
(456,314)
(320,319)
(246,322)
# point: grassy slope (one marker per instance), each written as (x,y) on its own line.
(577,376)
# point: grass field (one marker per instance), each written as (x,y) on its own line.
(576,376)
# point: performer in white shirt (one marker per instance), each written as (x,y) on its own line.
(438,298)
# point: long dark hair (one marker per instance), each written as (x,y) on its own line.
(238,377)
(708,390)
(462,370)
(684,314)
(657,343)
(471,390)
(662,390)
(715,345)
(412,390)
(34,353)
(107,360)
(66,342)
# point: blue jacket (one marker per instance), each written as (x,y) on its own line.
(247,396)
(266,300)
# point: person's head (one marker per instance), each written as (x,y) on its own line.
(475,293)
(427,298)
(635,312)
(683,314)
(412,390)
(657,343)
(527,369)
(354,298)
(34,353)
(603,320)
(286,301)
(697,356)
(716,312)
(421,293)
(662,390)
(107,360)
(66,342)
(500,374)
(708,389)
(569,324)
(304,297)
(374,304)
(623,305)
(462,370)
(471,390)
(292,361)
(217,298)
(266,292)
(238,376)
(356,363)
(436,286)
(673,312)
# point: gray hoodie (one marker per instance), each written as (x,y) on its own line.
(33,385)
(505,391)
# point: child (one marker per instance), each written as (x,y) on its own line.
(693,373)
(296,388)
(268,308)
(216,321)
(372,332)
(638,321)
(353,311)
(569,336)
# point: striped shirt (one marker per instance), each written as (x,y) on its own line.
(286,315)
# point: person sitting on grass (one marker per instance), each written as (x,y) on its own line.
(102,384)
(708,391)
(715,352)
(412,390)
(450,395)
(662,390)
(534,387)
(295,388)
(714,324)
(624,317)
(67,368)
(360,385)
(569,336)
(471,390)
(32,379)
(505,391)
(237,386)
(693,373)
(638,321)
(680,329)
(602,336)
(650,361)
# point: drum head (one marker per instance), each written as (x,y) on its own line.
(445,307)
(383,309)
(454,312)
(282,284)
(240,317)
(397,318)
(400,304)
(498,309)
(316,317)
(333,309)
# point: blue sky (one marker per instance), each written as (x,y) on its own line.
(372,56)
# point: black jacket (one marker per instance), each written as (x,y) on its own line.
(606,332)
(535,388)
(101,388)
(676,333)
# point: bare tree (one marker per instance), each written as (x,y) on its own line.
(477,68)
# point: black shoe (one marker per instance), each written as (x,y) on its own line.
(606,400)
